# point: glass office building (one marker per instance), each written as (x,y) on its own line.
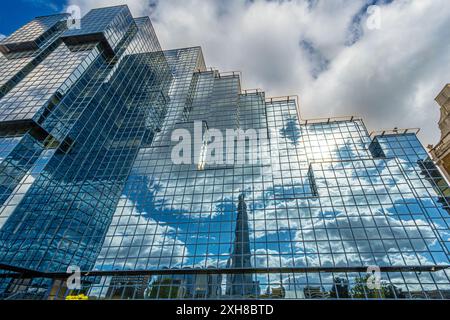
(88,181)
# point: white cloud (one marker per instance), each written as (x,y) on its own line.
(138,7)
(390,76)
(2,36)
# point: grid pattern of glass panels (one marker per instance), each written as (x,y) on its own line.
(98,94)
(110,24)
(32,92)
(14,66)
(92,183)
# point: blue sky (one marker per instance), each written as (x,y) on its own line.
(321,50)
(14,14)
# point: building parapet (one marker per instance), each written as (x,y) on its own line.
(394,131)
(330,120)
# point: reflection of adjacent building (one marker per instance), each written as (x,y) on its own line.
(275,292)
(441,152)
(340,288)
(430,294)
(437,181)
(110,287)
(315,292)
(185,286)
(207,285)
(128,287)
(241,284)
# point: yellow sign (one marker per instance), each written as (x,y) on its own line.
(78,297)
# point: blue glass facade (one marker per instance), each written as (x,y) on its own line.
(88,179)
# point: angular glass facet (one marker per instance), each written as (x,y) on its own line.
(105,25)
(33,34)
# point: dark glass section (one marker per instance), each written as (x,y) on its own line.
(376,150)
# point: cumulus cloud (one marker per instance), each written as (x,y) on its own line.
(144,243)
(322,51)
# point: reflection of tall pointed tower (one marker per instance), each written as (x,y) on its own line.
(241,251)
(241,284)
